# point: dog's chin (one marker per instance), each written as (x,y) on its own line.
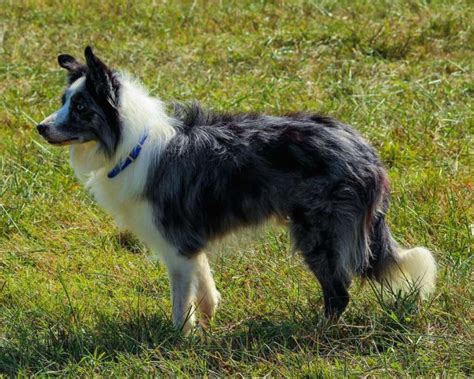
(66,142)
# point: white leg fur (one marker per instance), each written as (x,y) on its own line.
(207,296)
(138,218)
(182,274)
(413,267)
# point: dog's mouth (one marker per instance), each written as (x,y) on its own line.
(65,142)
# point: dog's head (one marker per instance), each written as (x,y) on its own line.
(90,106)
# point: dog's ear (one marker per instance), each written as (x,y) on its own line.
(75,69)
(100,78)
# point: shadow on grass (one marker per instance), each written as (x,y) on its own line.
(54,347)
(57,345)
(359,335)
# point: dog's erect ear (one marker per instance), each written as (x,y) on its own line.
(68,62)
(75,68)
(100,78)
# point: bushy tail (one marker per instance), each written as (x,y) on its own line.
(398,268)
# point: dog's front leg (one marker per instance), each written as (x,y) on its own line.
(207,296)
(182,272)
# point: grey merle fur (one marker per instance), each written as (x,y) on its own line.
(221,171)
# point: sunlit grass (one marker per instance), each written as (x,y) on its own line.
(76,298)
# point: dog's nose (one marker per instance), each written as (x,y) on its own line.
(42,128)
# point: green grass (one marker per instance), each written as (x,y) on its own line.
(74,300)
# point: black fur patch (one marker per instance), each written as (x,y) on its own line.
(223,171)
(75,68)
(103,85)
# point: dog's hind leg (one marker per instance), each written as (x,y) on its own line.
(335,286)
(318,247)
(207,296)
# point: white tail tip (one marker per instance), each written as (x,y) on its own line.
(413,268)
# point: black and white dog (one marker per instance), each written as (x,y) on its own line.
(180,178)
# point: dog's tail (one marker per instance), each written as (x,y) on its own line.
(388,263)
(398,268)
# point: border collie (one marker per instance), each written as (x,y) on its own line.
(181,176)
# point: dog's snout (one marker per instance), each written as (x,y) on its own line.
(41,128)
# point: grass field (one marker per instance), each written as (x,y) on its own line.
(76,299)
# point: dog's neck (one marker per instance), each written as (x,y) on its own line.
(139,114)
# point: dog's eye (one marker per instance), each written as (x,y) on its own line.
(80,107)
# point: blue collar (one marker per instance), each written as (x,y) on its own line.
(122,165)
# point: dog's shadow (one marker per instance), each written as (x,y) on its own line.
(251,340)
(267,338)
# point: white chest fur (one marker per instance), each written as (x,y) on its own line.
(122,196)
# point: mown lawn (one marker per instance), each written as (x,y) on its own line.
(76,299)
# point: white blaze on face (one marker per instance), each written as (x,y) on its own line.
(60,116)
